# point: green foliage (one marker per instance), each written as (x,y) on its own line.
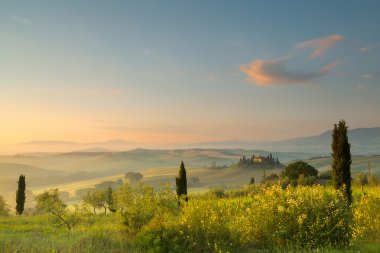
(98,198)
(304,217)
(49,202)
(361,178)
(181,181)
(202,226)
(110,200)
(133,177)
(140,204)
(259,162)
(34,234)
(294,170)
(272,178)
(262,219)
(296,218)
(20,195)
(367,215)
(326,175)
(105,184)
(341,164)
(4,209)
(216,193)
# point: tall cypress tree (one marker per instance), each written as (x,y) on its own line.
(20,195)
(341,164)
(181,181)
(110,200)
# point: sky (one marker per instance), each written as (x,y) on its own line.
(172,72)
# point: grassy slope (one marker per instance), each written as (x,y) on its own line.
(359,163)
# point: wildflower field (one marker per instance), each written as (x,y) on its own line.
(252,219)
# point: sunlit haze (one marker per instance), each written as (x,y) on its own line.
(162,73)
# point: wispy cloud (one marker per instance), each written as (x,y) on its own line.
(150,54)
(275,71)
(363,49)
(21,20)
(320,45)
(210,78)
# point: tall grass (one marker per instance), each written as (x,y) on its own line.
(37,234)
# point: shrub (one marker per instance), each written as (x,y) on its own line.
(140,204)
(203,226)
(133,177)
(294,170)
(4,209)
(304,217)
(367,216)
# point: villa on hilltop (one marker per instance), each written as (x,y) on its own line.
(259,162)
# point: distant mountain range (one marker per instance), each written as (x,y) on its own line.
(67,146)
(364,141)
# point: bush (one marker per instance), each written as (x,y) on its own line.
(294,170)
(140,204)
(304,217)
(4,209)
(203,226)
(133,177)
(367,216)
(325,175)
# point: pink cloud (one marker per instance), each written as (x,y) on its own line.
(274,72)
(363,49)
(320,45)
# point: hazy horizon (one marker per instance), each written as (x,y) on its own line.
(117,145)
(170,73)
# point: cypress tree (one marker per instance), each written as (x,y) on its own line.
(181,181)
(341,163)
(110,200)
(20,195)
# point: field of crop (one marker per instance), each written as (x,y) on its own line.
(252,219)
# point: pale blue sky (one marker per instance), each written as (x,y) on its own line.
(158,72)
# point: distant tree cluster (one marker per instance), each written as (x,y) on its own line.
(193,182)
(101,198)
(325,175)
(297,173)
(294,170)
(259,162)
(114,184)
(214,166)
(133,177)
